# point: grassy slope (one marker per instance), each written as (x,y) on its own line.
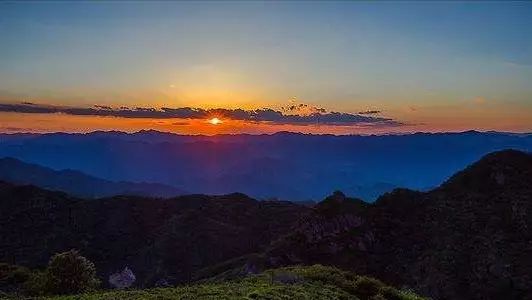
(314,282)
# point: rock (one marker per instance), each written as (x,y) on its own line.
(162,283)
(123,279)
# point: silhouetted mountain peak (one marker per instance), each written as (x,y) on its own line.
(499,169)
(337,196)
(239,196)
(338,203)
(474,229)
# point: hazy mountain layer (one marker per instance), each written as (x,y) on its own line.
(285,165)
(76,183)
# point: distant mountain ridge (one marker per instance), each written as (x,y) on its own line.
(76,183)
(287,166)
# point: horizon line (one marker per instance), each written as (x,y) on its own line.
(266,134)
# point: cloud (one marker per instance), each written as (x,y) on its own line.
(27,107)
(302,108)
(309,116)
(369,112)
(101,106)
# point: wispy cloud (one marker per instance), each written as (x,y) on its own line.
(369,112)
(311,116)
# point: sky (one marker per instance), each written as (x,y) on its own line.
(261,67)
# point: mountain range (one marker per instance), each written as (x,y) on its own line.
(76,183)
(286,166)
(468,238)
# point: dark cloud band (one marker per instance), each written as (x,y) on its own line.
(320,117)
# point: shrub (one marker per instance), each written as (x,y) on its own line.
(327,275)
(70,273)
(285,277)
(366,287)
(391,293)
(12,274)
(37,284)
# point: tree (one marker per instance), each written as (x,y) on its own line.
(70,273)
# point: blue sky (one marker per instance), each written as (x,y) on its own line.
(343,56)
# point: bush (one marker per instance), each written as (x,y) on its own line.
(70,273)
(13,278)
(284,277)
(327,275)
(13,275)
(366,287)
(37,284)
(390,293)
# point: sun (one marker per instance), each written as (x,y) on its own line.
(215,121)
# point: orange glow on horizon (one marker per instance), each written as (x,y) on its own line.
(11,122)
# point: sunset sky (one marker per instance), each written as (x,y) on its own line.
(261,67)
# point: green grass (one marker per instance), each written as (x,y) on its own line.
(313,282)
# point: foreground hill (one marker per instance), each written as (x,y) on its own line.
(304,283)
(468,239)
(76,183)
(165,240)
